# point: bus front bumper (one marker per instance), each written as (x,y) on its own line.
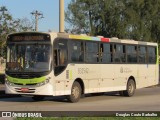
(30,90)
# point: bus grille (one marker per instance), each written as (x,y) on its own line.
(29,90)
(25,76)
(25,84)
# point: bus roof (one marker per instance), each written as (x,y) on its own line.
(103,39)
(91,38)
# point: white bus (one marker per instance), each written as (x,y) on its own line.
(55,64)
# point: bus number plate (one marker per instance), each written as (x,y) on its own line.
(24,89)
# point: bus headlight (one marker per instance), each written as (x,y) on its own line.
(9,83)
(44,82)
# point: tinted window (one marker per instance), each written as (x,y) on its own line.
(60,55)
(142,54)
(92,52)
(151,55)
(77,51)
(119,55)
(131,54)
(106,53)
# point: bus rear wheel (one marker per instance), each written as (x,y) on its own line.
(37,98)
(130,88)
(76,92)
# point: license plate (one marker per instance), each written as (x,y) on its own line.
(24,89)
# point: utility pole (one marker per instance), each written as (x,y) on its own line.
(38,16)
(61,15)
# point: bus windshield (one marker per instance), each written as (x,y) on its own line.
(28,57)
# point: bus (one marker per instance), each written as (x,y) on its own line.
(59,64)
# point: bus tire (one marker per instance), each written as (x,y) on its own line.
(130,88)
(76,92)
(38,98)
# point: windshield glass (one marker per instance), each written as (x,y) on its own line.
(28,57)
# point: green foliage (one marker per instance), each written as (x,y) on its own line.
(9,25)
(131,19)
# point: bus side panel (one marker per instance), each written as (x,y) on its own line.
(107,77)
(93,76)
(122,74)
(114,77)
(62,84)
(65,80)
(152,74)
(142,75)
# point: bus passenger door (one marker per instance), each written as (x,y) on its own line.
(60,58)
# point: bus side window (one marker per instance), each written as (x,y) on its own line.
(132,54)
(116,53)
(77,51)
(92,54)
(151,55)
(106,53)
(142,51)
(59,57)
(119,55)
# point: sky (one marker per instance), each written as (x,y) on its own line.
(23,8)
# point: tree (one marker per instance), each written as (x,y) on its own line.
(24,25)
(97,17)
(75,16)
(9,25)
(131,19)
(6,26)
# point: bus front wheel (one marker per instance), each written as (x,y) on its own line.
(130,88)
(76,92)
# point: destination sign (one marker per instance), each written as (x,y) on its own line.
(28,37)
(38,37)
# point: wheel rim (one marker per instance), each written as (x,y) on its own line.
(131,88)
(75,92)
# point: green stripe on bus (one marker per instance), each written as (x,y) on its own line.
(26,81)
(70,74)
